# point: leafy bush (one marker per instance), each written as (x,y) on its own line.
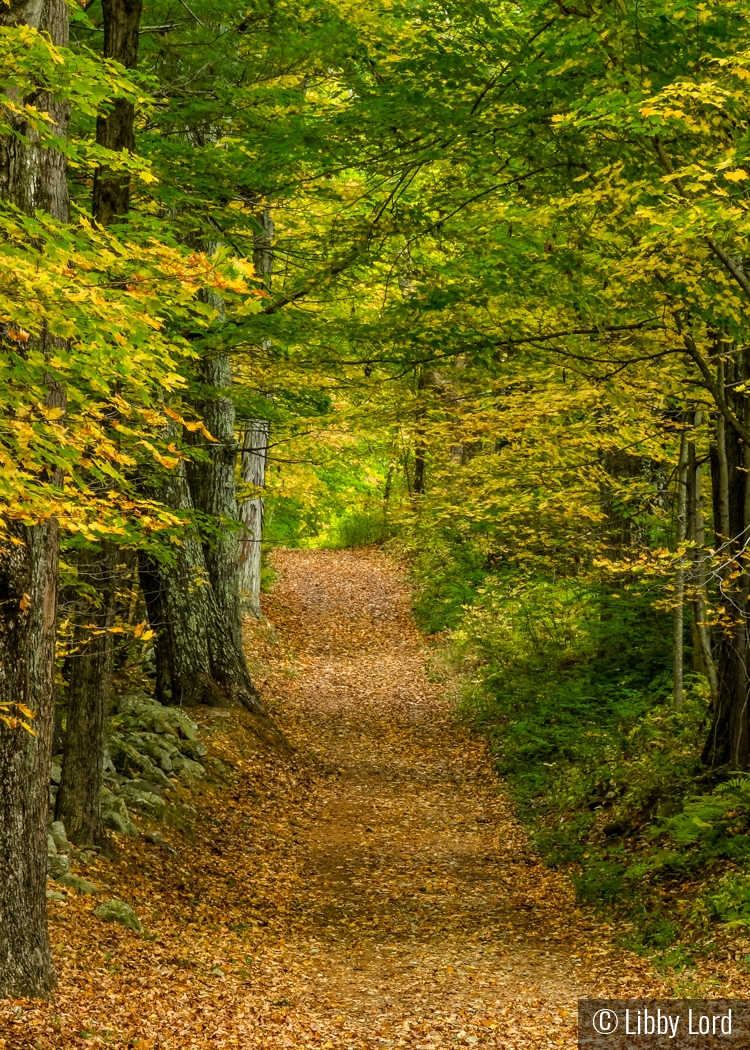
(563,672)
(713,825)
(571,682)
(449,567)
(730,899)
(358,528)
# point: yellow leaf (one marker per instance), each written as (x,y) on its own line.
(736,176)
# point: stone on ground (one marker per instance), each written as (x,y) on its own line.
(119,912)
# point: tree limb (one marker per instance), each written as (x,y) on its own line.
(711,384)
(726,260)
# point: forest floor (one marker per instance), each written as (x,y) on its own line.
(370,888)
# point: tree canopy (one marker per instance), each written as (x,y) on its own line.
(470,278)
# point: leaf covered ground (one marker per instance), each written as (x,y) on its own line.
(370,887)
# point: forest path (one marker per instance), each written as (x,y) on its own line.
(427,919)
(371,888)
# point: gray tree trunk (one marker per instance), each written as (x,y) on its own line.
(89,693)
(28,583)
(252,514)
(697,533)
(197,657)
(116,130)
(193,604)
(30,178)
(214,491)
(255,453)
(679,610)
(90,681)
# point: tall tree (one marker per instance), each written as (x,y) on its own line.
(116,129)
(90,669)
(213,486)
(197,658)
(728,743)
(255,450)
(31,178)
(681,501)
(91,664)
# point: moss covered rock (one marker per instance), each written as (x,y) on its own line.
(119,912)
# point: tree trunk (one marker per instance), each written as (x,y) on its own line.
(197,658)
(679,610)
(214,493)
(252,513)
(697,533)
(30,178)
(728,740)
(28,583)
(193,603)
(255,451)
(387,490)
(111,197)
(89,693)
(420,449)
(90,683)
(419,465)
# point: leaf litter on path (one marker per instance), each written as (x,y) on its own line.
(370,888)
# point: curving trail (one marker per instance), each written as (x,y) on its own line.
(431,922)
(370,889)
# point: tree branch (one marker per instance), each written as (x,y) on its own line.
(636,326)
(711,384)
(726,260)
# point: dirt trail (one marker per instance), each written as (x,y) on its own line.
(370,889)
(430,921)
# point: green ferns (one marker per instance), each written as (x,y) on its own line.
(571,683)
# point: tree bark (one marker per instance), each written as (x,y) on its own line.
(193,602)
(214,493)
(89,693)
(197,658)
(387,490)
(28,582)
(30,178)
(90,682)
(679,610)
(419,465)
(729,737)
(252,513)
(420,449)
(698,535)
(116,131)
(255,452)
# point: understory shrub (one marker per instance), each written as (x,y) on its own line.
(571,682)
(730,899)
(358,527)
